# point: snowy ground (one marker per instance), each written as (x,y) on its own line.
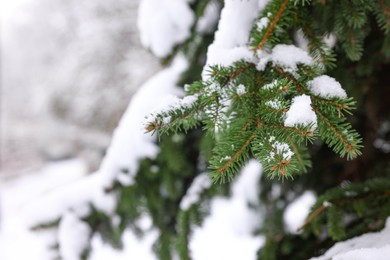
(16,194)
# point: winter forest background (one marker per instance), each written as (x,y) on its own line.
(83,178)
(68,71)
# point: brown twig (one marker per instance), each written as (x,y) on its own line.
(338,134)
(234,157)
(273,24)
(313,215)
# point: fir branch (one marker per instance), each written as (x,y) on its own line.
(308,71)
(273,24)
(291,78)
(352,149)
(345,105)
(373,191)
(236,141)
(216,115)
(159,126)
(224,75)
(386,10)
(313,215)
(298,155)
(340,202)
(301,132)
(237,72)
(234,157)
(176,122)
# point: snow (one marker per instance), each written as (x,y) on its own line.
(226,57)
(17,241)
(330,40)
(168,104)
(301,41)
(230,42)
(163,24)
(130,143)
(276,104)
(200,183)
(229,228)
(297,211)
(279,148)
(188,101)
(128,146)
(241,90)
(289,56)
(228,232)
(326,87)
(16,195)
(283,149)
(301,113)
(368,246)
(381,253)
(327,204)
(134,247)
(271,85)
(73,236)
(210,18)
(74,196)
(262,23)
(283,55)
(264,58)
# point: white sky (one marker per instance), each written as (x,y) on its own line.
(8,7)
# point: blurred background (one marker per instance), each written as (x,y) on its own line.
(68,71)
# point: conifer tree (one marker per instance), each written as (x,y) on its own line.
(296,85)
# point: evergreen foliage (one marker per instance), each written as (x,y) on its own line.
(253,123)
(243,124)
(246,110)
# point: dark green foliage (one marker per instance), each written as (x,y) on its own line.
(352,200)
(226,126)
(246,122)
(248,127)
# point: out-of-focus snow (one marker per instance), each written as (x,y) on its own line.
(301,41)
(301,113)
(68,70)
(129,145)
(229,228)
(16,240)
(241,90)
(134,247)
(368,246)
(228,232)
(73,236)
(163,24)
(200,183)
(210,17)
(330,40)
(377,253)
(297,211)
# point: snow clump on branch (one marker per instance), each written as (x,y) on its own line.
(301,113)
(326,87)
